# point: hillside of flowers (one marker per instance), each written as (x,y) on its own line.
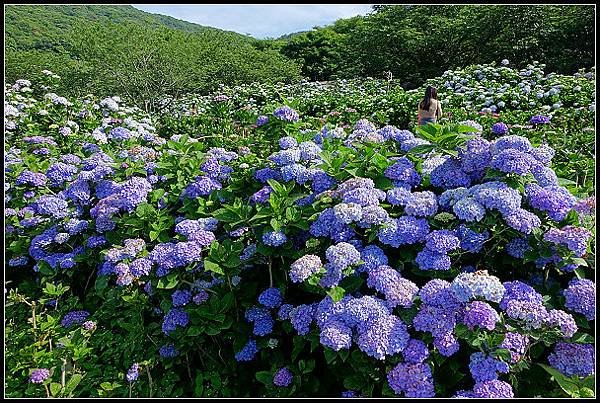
(303,241)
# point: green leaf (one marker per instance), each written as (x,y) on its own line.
(579,261)
(72,384)
(354,382)
(194,331)
(168,282)
(264,377)
(330,355)
(422,149)
(299,344)
(198,384)
(55,388)
(211,266)
(106,386)
(566,182)
(568,385)
(583,338)
(336,293)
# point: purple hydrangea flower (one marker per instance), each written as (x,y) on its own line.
(516,343)
(412,380)
(74,317)
(573,358)
(274,238)
(168,351)
(283,377)
(415,352)
(499,129)
(39,375)
(181,297)
(485,368)
(539,120)
(175,317)
(480,314)
(262,120)
(133,373)
(580,297)
(286,114)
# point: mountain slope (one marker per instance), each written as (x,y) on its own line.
(44,27)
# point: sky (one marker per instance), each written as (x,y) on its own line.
(260,21)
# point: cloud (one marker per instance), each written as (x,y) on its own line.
(260,21)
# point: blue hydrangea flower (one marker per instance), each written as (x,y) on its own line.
(274,238)
(486,368)
(480,314)
(573,358)
(580,297)
(283,377)
(271,298)
(248,352)
(412,380)
(499,129)
(286,114)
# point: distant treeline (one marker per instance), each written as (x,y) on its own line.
(420,42)
(141,56)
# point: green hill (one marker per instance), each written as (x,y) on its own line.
(44,27)
(120,50)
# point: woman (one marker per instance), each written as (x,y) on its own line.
(430,109)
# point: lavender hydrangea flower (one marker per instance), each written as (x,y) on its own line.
(412,380)
(287,142)
(283,377)
(39,375)
(336,335)
(563,320)
(133,373)
(262,120)
(274,238)
(574,238)
(305,267)
(415,352)
(573,358)
(466,286)
(286,114)
(397,290)
(342,255)
(499,129)
(200,297)
(493,389)
(516,343)
(580,297)
(555,200)
(480,314)
(539,120)
(532,314)
(486,368)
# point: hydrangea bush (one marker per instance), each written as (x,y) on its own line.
(301,258)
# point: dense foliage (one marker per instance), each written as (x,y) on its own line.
(106,50)
(308,240)
(419,42)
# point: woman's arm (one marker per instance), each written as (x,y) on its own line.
(438,111)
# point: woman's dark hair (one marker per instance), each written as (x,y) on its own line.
(430,92)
